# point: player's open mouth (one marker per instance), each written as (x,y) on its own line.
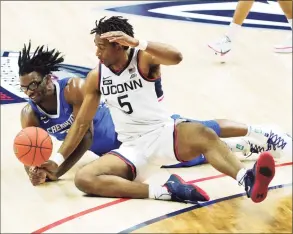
(33,97)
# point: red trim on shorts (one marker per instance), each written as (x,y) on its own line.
(175,145)
(161,98)
(129,163)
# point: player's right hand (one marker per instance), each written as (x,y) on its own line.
(37,176)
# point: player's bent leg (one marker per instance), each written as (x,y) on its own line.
(223,128)
(109,176)
(249,139)
(195,139)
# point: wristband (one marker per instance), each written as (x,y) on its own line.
(58,159)
(142,45)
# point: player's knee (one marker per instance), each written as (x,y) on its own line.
(206,137)
(87,182)
(209,134)
(83,181)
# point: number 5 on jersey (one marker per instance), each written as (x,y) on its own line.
(124,103)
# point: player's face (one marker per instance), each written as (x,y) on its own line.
(34,86)
(107,52)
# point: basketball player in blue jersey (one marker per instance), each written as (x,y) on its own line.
(53,104)
(147,132)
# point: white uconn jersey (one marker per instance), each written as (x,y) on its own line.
(134,102)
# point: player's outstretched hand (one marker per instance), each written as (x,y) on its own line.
(121,38)
(36,176)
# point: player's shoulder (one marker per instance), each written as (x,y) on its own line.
(92,79)
(74,83)
(95,72)
(73,89)
(27,110)
(28,116)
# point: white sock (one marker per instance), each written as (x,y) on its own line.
(237,144)
(159,192)
(290,22)
(254,130)
(233,30)
(240,176)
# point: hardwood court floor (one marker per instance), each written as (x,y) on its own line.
(254,86)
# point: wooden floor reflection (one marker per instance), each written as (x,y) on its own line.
(238,215)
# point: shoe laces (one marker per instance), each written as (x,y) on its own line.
(247,177)
(275,141)
(254,148)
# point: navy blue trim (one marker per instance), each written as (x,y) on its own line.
(5,54)
(145,10)
(7,97)
(252,15)
(127,161)
(197,206)
(158,88)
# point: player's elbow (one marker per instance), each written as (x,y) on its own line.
(87,140)
(178,57)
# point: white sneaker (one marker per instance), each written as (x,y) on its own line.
(222,46)
(285,47)
(274,141)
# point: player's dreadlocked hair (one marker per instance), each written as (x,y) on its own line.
(114,23)
(42,61)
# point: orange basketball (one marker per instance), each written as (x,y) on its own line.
(33,146)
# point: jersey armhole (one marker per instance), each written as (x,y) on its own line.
(140,72)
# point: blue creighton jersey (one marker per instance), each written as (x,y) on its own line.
(104,135)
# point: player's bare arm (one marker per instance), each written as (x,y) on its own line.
(74,96)
(85,115)
(158,53)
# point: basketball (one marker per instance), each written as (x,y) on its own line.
(33,146)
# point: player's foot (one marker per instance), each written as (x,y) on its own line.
(182,192)
(257,179)
(285,47)
(222,46)
(272,140)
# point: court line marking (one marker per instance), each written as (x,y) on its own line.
(181,211)
(118,201)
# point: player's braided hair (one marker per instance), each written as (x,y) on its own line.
(43,61)
(114,23)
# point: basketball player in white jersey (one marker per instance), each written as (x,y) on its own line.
(126,76)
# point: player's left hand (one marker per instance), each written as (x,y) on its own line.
(36,176)
(121,38)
